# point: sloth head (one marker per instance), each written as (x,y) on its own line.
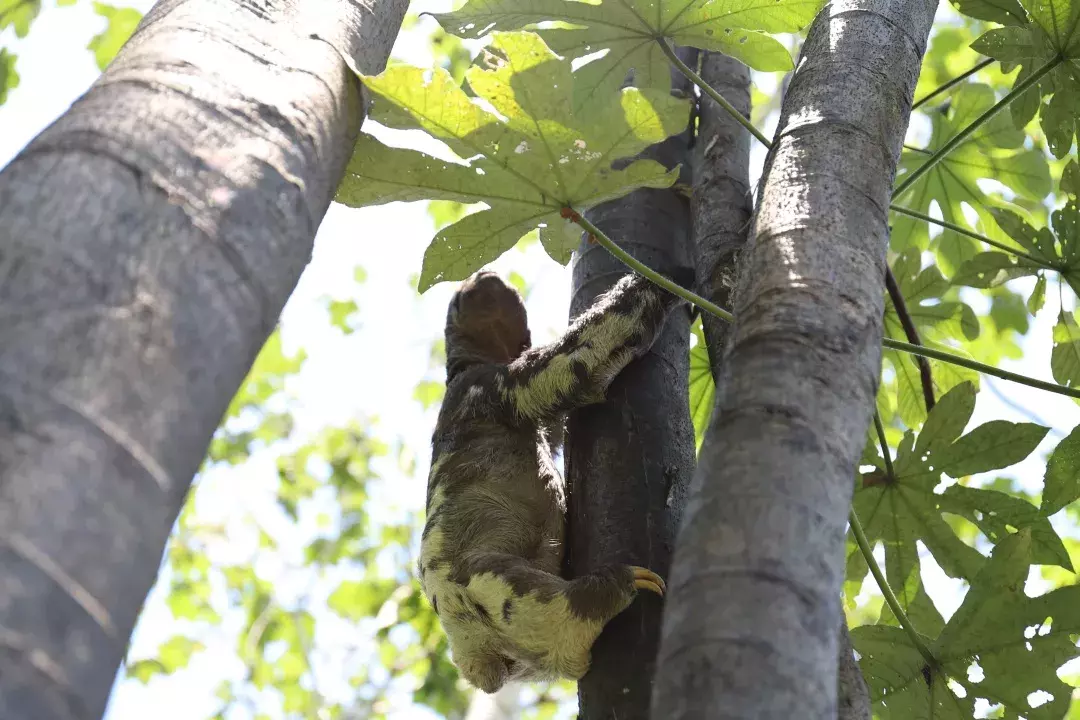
(485,323)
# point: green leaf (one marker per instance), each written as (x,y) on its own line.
(1065,357)
(994,151)
(989,269)
(997,444)
(1038,296)
(429,393)
(1008,44)
(121,24)
(354,600)
(702,388)
(267,375)
(1049,36)
(18,14)
(1006,12)
(1061,486)
(903,510)
(444,212)
(1059,122)
(901,686)
(998,514)
(947,420)
(9,78)
(537,157)
(175,653)
(340,312)
(1070,179)
(1019,642)
(628,32)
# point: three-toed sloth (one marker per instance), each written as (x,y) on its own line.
(492,548)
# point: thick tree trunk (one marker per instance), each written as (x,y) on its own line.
(630,459)
(148,240)
(721,211)
(753,613)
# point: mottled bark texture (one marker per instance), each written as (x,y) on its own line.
(148,240)
(721,200)
(753,614)
(853,700)
(721,208)
(629,460)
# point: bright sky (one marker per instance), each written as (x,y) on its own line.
(373,371)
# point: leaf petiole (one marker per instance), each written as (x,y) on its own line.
(723,314)
(711,91)
(961,137)
(974,236)
(645,270)
(886,591)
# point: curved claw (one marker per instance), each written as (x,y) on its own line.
(645,579)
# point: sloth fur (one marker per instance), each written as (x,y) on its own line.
(492,547)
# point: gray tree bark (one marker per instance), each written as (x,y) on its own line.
(753,615)
(721,208)
(722,203)
(630,459)
(148,241)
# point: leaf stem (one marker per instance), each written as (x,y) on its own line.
(723,314)
(710,91)
(980,367)
(955,81)
(886,591)
(974,236)
(962,136)
(880,427)
(926,376)
(648,272)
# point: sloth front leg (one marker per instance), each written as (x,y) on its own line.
(551,623)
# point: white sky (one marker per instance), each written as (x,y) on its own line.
(373,371)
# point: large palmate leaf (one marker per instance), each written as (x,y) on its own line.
(1000,644)
(628,30)
(528,162)
(906,508)
(1050,32)
(994,151)
(924,291)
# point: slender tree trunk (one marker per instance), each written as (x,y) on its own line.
(753,613)
(148,240)
(722,203)
(630,459)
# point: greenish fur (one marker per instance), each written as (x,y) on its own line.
(492,552)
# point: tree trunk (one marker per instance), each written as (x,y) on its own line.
(753,613)
(721,211)
(630,459)
(722,203)
(148,240)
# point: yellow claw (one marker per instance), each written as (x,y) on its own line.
(645,579)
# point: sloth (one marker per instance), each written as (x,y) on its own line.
(492,547)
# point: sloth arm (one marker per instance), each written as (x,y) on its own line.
(577,369)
